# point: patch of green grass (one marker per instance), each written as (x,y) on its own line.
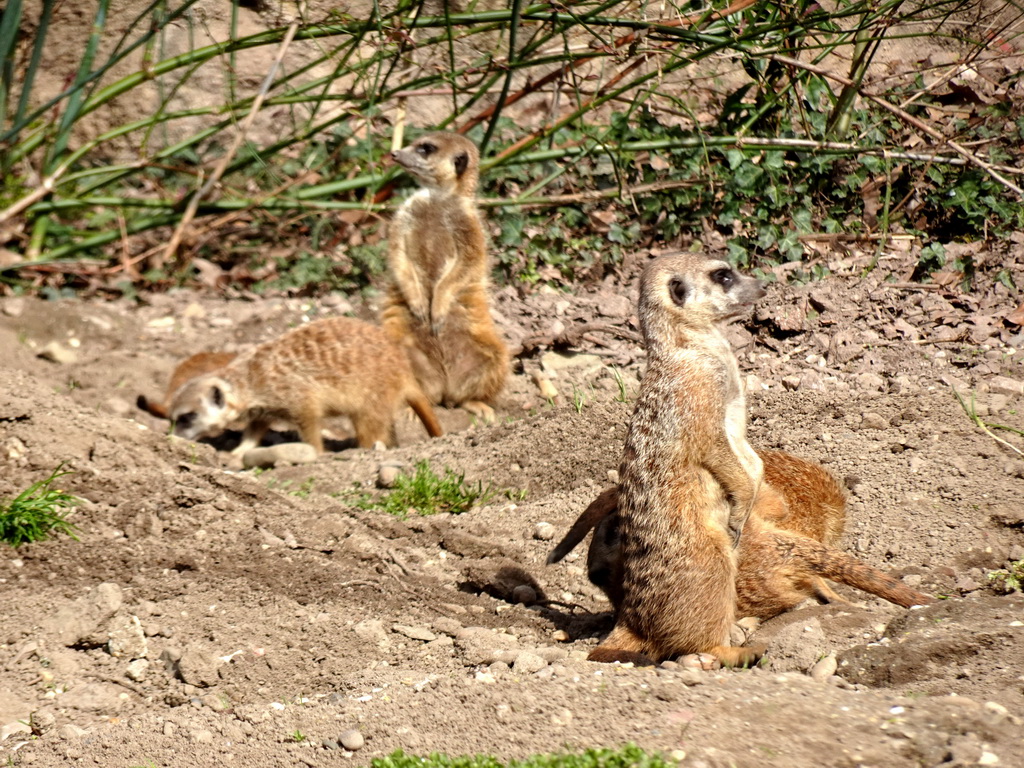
(629,756)
(38,513)
(298,737)
(425,493)
(304,489)
(1010,579)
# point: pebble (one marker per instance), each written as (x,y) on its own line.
(871,382)
(561,636)
(340,304)
(690,677)
(387,474)
(1004,385)
(414,633)
(202,736)
(352,740)
(792,383)
(70,731)
(825,668)
(871,420)
(329,744)
(127,640)
(81,619)
(42,722)
(137,670)
(527,663)
(56,353)
(13,307)
(283,453)
(198,669)
(544,531)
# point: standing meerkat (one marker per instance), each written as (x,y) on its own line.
(437,305)
(786,552)
(332,367)
(688,475)
(197,365)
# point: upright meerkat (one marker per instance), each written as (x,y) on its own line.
(188,369)
(786,552)
(437,306)
(332,367)
(688,476)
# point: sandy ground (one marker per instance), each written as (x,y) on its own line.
(209,616)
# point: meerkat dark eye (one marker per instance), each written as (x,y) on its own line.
(678,290)
(184,421)
(723,277)
(426,149)
(218,397)
(461,162)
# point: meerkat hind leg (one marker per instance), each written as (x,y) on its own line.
(621,645)
(480,410)
(738,656)
(825,594)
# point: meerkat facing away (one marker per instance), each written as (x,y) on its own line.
(332,367)
(188,369)
(689,477)
(786,552)
(437,306)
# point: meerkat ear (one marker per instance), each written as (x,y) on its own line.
(678,291)
(461,163)
(218,397)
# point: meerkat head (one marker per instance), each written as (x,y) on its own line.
(691,292)
(443,161)
(202,407)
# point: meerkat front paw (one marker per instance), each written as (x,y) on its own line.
(482,411)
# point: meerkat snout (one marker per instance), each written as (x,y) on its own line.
(200,407)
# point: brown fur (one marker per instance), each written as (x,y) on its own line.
(331,367)
(786,551)
(437,305)
(688,476)
(188,369)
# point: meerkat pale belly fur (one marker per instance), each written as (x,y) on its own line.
(332,367)
(191,367)
(688,476)
(437,304)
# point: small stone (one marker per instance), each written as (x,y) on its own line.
(871,420)
(613,476)
(127,640)
(524,594)
(56,353)
(387,475)
(824,668)
(340,304)
(283,453)
(137,670)
(560,636)
(562,718)
(202,736)
(1004,385)
(997,711)
(352,740)
(988,758)
(414,633)
(197,669)
(527,663)
(871,382)
(329,744)
(42,722)
(690,676)
(70,731)
(544,531)
(13,307)
(792,383)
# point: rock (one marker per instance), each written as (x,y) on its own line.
(198,669)
(414,633)
(329,744)
(871,420)
(824,668)
(102,698)
(797,647)
(42,722)
(387,475)
(170,658)
(871,382)
(202,736)
(13,307)
(127,640)
(792,383)
(371,630)
(56,353)
(482,646)
(615,305)
(544,531)
(352,740)
(340,304)
(284,453)
(561,636)
(690,676)
(137,670)
(80,621)
(70,731)
(563,361)
(527,663)
(1004,385)
(118,406)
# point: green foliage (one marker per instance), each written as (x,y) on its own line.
(629,756)
(1010,579)
(425,493)
(38,513)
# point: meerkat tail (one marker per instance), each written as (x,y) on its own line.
(419,403)
(156,409)
(846,569)
(606,503)
(621,645)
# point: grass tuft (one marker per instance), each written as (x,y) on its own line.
(629,756)
(38,513)
(425,493)
(1007,580)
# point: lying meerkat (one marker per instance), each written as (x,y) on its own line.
(437,305)
(332,367)
(188,369)
(689,477)
(786,552)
